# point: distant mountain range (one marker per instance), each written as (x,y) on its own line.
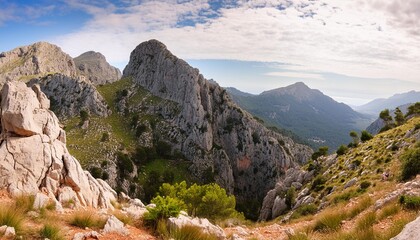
(376,106)
(307,112)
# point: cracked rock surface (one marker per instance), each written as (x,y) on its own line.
(33,153)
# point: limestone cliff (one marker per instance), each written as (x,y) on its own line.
(215,134)
(39,59)
(94,67)
(33,153)
(69,95)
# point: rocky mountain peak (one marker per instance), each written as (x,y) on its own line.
(93,66)
(39,59)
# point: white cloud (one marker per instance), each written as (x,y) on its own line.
(364,38)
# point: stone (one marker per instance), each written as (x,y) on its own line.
(411,231)
(134,211)
(41,200)
(241,231)
(350,183)
(86,235)
(33,158)
(114,225)
(297,185)
(205,225)
(9,232)
(267,206)
(279,207)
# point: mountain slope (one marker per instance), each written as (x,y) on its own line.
(378,124)
(376,106)
(306,112)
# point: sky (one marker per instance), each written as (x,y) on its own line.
(351,50)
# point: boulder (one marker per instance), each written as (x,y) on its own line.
(33,156)
(350,183)
(205,225)
(411,231)
(86,235)
(114,225)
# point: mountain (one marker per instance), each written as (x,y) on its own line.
(208,128)
(306,112)
(39,59)
(94,67)
(376,106)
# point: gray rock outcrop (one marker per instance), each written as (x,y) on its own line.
(96,69)
(214,133)
(34,158)
(411,231)
(205,225)
(39,59)
(69,95)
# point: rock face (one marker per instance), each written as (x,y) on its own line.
(274,203)
(70,95)
(39,59)
(34,157)
(94,67)
(211,130)
(410,232)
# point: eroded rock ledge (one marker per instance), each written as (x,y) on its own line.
(33,153)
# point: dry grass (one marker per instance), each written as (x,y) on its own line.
(86,218)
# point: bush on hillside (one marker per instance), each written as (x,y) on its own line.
(291,197)
(365,136)
(410,163)
(166,207)
(410,202)
(209,201)
(342,150)
(322,151)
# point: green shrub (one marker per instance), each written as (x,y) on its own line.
(166,207)
(364,185)
(410,202)
(410,163)
(105,137)
(290,197)
(209,201)
(342,150)
(163,149)
(256,138)
(52,232)
(365,136)
(84,219)
(124,164)
(322,151)
(84,115)
(318,183)
(305,210)
(96,172)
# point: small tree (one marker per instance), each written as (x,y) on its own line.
(84,115)
(410,163)
(322,151)
(399,117)
(413,109)
(291,197)
(342,150)
(365,136)
(355,137)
